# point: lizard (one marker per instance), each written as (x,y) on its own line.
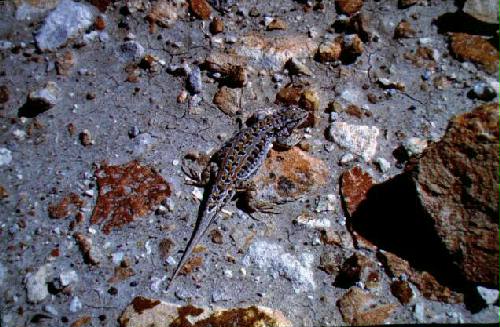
(237,162)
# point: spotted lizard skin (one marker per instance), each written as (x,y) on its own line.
(238,161)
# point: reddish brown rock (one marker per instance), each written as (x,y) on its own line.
(348,7)
(82,321)
(99,23)
(404,30)
(126,192)
(165,247)
(64,63)
(90,254)
(286,175)
(200,9)
(476,49)
(329,51)
(402,290)
(102,5)
(358,268)
(216,25)
(305,97)
(150,312)
(355,184)
(360,308)
(64,208)
(163,13)
(277,24)
(121,273)
(457,182)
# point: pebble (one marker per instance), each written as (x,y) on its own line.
(382,164)
(75,305)
(51,309)
(62,23)
(132,50)
(117,258)
(194,83)
(68,277)
(358,139)
(5,156)
(414,146)
(36,284)
(45,98)
(346,158)
(418,312)
(326,203)
(490,296)
(483,91)
(133,132)
(171,261)
(228,273)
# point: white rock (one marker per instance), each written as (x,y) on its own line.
(117,257)
(318,223)
(36,284)
(346,158)
(484,10)
(5,45)
(5,156)
(358,139)
(45,98)
(171,261)
(490,296)
(64,22)
(414,146)
(68,277)
(383,164)
(75,305)
(419,312)
(51,309)
(272,257)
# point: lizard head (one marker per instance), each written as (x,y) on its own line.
(292,117)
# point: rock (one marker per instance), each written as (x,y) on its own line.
(29,10)
(277,24)
(348,7)
(483,91)
(404,30)
(476,49)
(352,48)
(91,254)
(131,50)
(326,203)
(272,53)
(64,63)
(329,51)
(312,222)
(457,183)
(228,100)
(75,305)
(407,3)
(387,84)
(357,139)
(354,186)
(285,176)
(361,308)
(330,262)
(414,146)
(115,208)
(4,94)
(295,67)
(143,312)
(86,138)
(64,22)
(68,277)
(200,9)
(163,13)
(5,157)
(194,83)
(133,132)
(483,10)
(358,268)
(65,207)
(216,25)
(490,296)
(43,99)
(402,290)
(272,257)
(383,164)
(36,284)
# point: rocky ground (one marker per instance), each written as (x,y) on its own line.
(384,209)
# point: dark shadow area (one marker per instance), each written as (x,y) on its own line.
(460,22)
(30,110)
(392,218)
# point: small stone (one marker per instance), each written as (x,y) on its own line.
(404,30)
(4,94)
(361,308)
(414,146)
(200,9)
(352,47)
(357,268)
(329,51)
(313,222)
(194,82)
(99,23)
(182,97)
(216,25)
(133,132)
(62,23)
(51,310)
(86,138)
(68,277)
(326,203)
(483,91)
(36,284)
(216,236)
(295,67)
(277,24)
(348,7)
(382,164)
(346,158)
(358,139)
(131,50)
(330,262)
(64,63)
(228,100)
(75,305)
(163,13)
(402,290)
(388,84)
(490,296)
(43,99)
(5,156)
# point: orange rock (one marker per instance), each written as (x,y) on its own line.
(355,184)
(348,7)
(200,9)
(476,49)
